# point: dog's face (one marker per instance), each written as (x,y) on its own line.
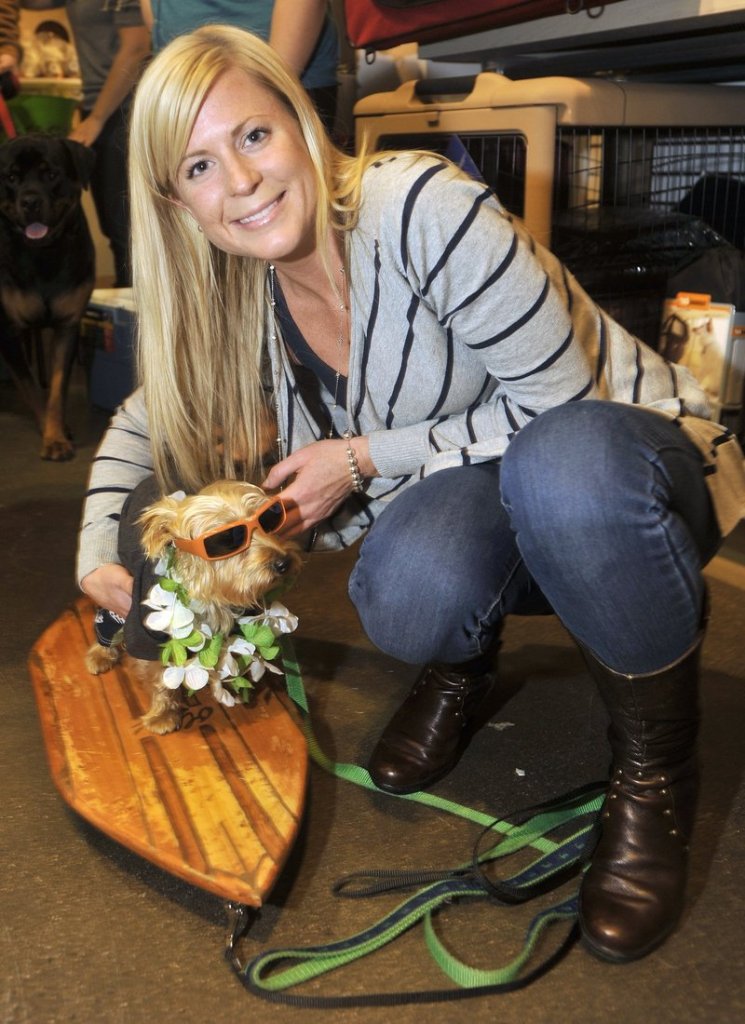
(41,178)
(240,580)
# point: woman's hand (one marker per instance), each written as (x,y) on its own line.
(109,586)
(320,480)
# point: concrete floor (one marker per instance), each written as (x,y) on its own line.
(91,933)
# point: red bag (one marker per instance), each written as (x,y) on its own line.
(378,24)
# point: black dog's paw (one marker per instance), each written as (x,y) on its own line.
(57,449)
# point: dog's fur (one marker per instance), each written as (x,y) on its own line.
(47,269)
(226,587)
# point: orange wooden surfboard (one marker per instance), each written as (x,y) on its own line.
(218,803)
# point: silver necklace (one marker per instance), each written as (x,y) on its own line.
(273,337)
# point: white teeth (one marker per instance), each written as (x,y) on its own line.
(261,215)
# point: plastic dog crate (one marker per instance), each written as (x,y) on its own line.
(625,181)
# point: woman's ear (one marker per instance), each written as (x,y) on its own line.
(182,206)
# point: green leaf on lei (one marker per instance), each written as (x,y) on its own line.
(210,653)
(172,586)
(194,639)
(257,634)
(241,687)
(174,652)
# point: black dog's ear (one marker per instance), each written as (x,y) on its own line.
(83,159)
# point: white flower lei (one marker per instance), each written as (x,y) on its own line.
(239,658)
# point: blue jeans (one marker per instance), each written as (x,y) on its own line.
(598,512)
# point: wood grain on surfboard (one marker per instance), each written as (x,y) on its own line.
(218,803)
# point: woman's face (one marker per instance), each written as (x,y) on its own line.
(246,176)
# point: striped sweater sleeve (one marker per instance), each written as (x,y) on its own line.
(123,459)
(504,315)
(495,330)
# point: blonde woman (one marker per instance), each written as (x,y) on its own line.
(445,389)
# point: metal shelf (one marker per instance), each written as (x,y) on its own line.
(652,40)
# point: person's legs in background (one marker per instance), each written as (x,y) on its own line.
(110,193)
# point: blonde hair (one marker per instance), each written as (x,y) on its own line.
(202,312)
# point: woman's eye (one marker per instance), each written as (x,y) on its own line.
(254,136)
(196,169)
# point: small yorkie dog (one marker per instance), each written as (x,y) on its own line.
(224,550)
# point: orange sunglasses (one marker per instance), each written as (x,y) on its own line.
(231,539)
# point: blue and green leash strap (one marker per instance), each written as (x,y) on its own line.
(561,832)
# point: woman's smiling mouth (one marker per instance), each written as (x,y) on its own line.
(261,216)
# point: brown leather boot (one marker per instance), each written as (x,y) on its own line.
(632,894)
(427,735)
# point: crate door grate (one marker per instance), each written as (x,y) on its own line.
(632,205)
(629,206)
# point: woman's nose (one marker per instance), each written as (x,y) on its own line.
(243,177)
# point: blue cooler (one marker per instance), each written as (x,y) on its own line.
(107,338)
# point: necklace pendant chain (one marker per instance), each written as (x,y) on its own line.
(276,382)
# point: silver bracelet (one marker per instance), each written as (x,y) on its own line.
(358,483)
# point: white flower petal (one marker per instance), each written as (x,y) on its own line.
(223,696)
(196,676)
(158,621)
(241,646)
(157,597)
(276,617)
(173,676)
(287,624)
(280,619)
(227,666)
(182,616)
(161,566)
(256,669)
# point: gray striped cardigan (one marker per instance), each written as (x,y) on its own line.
(463,330)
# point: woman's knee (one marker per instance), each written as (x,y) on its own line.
(600,476)
(586,463)
(425,579)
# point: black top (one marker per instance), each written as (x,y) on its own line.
(310,369)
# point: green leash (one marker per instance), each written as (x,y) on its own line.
(561,831)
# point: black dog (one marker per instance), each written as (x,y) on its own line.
(47,265)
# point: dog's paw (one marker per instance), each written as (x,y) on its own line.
(57,449)
(100,659)
(162,722)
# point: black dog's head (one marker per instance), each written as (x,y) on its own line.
(41,178)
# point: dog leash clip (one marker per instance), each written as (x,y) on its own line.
(239,921)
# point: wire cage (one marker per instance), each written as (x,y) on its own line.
(631,206)
(623,198)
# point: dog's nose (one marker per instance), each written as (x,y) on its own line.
(31,204)
(282,565)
